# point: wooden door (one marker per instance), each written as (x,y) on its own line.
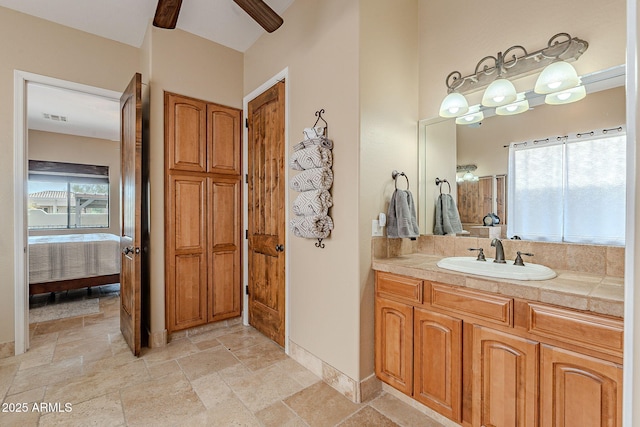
(437,362)
(501,198)
(394,344)
(266,226)
(578,390)
(131,221)
(505,387)
(485,196)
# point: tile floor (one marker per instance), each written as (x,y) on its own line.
(81,368)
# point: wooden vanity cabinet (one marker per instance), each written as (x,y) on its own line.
(483,359)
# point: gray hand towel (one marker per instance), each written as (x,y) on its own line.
(447,216)
(401,217)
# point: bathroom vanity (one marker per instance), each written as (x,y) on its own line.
(495,352)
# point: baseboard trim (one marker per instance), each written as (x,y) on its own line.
(352,389)
(7,349)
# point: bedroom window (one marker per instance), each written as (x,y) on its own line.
(67,195)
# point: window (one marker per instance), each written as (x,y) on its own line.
(67,195)
(569,189)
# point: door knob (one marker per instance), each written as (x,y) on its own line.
(279,248)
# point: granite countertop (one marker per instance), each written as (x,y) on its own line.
(571,289)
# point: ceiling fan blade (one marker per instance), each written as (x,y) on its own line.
(167,14)
(261,13)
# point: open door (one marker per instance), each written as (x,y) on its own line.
(131,224)
(266,225)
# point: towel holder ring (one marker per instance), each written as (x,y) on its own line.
(395,174)
(439,183)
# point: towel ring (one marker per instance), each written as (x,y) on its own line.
(439,183)
(396,174)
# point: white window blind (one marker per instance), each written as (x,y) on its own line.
(569,189)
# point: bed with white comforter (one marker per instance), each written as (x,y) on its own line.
(73,261)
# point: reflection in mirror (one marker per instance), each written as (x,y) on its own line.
(485,146)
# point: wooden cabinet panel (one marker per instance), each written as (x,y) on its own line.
(188,292)
(482,305)
(399,287)
(225,252)
(186,128)
(505,389)
(225,295)
(226,214)
(437,362)
(394,344)
(186,252)
(224,125)
(578,390)
(584,329)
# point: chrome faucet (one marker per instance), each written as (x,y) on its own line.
(499,251)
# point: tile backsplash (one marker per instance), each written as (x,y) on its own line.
(595,259)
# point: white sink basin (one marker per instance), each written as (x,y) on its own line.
(489,268)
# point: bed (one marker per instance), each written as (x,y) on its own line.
(73,261)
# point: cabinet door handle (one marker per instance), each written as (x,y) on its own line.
(279,248)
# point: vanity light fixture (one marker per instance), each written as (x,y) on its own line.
(556,77)
(454,105)
(566,96)
(468,175)
(473,116)
(520,106)
(493,72)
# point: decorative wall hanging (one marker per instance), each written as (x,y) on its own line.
(313,158)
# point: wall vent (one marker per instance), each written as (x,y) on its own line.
(55,117)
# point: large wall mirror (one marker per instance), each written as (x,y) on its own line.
(484,146)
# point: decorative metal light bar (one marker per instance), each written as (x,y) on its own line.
(508,64)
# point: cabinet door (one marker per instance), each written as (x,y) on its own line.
(224,125)
(185,133)
(505,387)
(578,390)
(224,248)
(186,241)
(394,344)
(437,359)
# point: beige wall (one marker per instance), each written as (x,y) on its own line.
(484,145)
(179,62)
(41,47)
(456,34)
(57,147)
(319,44)
(388,130)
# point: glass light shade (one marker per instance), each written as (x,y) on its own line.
(566,96)
(520,106)
(474,116)
(454,105)
(468,176)
(499,92)
(556,77)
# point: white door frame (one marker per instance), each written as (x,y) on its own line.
(20,141)
(284,74)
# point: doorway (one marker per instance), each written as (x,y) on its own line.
(22,82)
(266,279)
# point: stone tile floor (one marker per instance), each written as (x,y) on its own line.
(81,369)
